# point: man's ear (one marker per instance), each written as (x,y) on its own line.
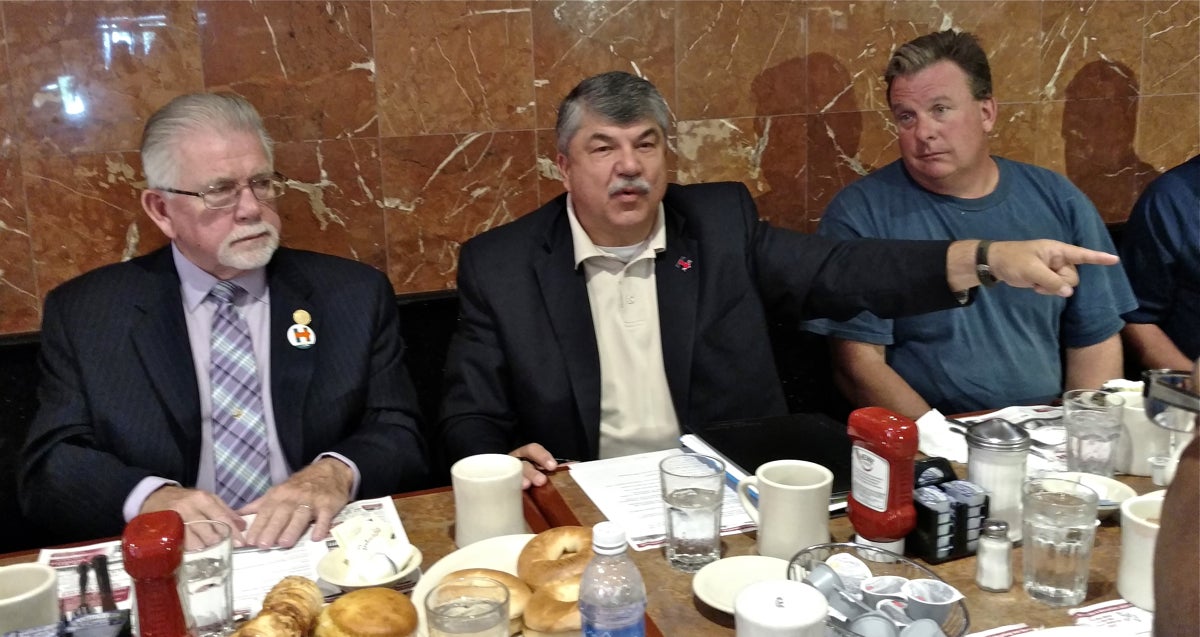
(564,169)
(988,110)
(155,205)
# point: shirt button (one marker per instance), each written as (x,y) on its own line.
(237,413)
(629,300)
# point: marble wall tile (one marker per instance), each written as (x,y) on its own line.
(858,36)
(1168,130)
(725,48)
(85,75)
(84,212)
(1080,32)
(449,67)
(20,306)
(1170,55)
(440,190)
(309,67)
(577,39)
(334,202)
(1016,132)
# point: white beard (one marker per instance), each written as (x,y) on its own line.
(248,257)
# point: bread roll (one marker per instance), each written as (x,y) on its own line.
(369,612)
(290,609)
(556,554)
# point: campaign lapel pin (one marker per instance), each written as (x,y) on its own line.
(300,335)
(684,264)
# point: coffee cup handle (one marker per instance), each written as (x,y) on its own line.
(748,503)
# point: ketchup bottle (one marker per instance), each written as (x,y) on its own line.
(881,484)
(152,546)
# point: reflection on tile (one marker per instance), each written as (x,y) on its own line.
(1170,55)
(84,212)
(85,75)
(440,190)
(447,67)
(19,302)
(307,66)
(1079,32)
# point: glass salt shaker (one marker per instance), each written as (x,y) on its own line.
(996,454)
(993,558)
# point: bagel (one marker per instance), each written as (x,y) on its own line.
(556,554)
(518,592)
(369,612)
(554,609)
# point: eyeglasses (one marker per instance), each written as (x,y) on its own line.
(226,194)
(1172,400)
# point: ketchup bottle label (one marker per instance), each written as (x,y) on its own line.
(869,479)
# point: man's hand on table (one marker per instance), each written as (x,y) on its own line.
(537,460)
(194,504)
(314,494)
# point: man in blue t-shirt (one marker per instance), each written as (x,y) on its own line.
(1160,250)
(1010,347)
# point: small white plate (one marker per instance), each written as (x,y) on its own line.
(718,583)
(1113,491)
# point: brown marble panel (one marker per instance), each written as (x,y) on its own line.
(19,302)
(578,39)
(308,67)
(334,202)
(857,35)
(440,190)
(1168,131)
(1171,48)
(1008,31)
(724,50)
(1016,133)
(1082,33)
(84,212)
(732,150)
(85,75)
(549,178)
(446,67)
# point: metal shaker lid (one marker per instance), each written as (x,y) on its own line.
(994,527)
(998,434)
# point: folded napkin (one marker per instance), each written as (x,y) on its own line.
(937,439)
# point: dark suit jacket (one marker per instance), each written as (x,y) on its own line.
(524,367)
(119,400)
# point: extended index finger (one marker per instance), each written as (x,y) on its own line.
(1080,256)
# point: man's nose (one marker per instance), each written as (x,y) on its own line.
(926,127)
(628,163)
(248,206)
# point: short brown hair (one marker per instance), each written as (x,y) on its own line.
(962,48)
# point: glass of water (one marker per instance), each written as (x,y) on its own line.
(1092,418)
(476,606)
(205,578)
(693,488)
(1059,530)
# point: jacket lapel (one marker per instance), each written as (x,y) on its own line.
(160,338)
(677,274)
(564,294)
(291,367)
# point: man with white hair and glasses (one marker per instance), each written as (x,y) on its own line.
(223,375)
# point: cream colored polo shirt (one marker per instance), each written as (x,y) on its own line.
(636,413)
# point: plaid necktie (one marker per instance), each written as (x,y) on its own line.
(239,431)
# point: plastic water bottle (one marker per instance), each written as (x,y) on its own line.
(612,596)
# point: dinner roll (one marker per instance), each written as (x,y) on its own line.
(290,609)
(369,612)
(554,609)
(518,592)
(556,554)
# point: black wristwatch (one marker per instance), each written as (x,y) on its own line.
(982,269)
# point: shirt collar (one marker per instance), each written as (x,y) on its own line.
(585,249)
(195,283)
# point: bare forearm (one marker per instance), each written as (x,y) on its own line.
(866,380)
(1154,349)
(1090,367)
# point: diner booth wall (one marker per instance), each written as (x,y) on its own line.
(407,127)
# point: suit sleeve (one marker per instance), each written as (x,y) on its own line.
(387,445)
(67,482)
(477,416)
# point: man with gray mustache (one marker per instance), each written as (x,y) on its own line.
(599,324)
(221,376)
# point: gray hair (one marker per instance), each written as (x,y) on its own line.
(962,48)
(209,112)
(618,97)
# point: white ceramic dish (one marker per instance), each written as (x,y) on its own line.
(718,583)
(333,569)
(499,553)
(1113,491)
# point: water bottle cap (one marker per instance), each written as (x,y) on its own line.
(608,538)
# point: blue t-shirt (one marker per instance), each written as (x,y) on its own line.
(1160,250)
(1006,347)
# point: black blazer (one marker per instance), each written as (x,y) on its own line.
(524,367)
(119,399)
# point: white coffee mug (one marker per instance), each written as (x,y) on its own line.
(780,608)
(487,497)
(28,596)
(1139,534)
(1140,439)
(792,511)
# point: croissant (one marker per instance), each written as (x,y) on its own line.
(290,609)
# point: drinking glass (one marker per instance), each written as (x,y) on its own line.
(693,488)
(205,578)
(476,606)
(1059,530)
(1092,418)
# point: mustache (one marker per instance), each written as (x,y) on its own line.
(242,232)
(638,184)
